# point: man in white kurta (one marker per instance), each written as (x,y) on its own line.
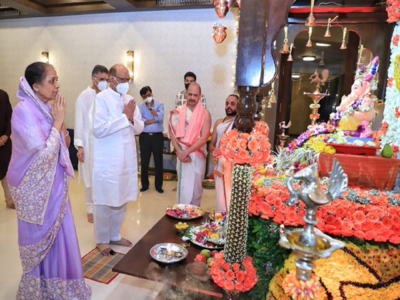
(189,129)
(82,130)
(116,121)
(223,167)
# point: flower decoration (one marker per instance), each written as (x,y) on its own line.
(245,148)
(314,130)
(299,289)
(359,212)
(234,277)
(391,115)
(393,11)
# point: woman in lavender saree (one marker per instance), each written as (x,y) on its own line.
(38,179)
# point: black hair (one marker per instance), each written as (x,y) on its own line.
(36,72)
(235,95)
(190,74)
(144,90)
(99,69)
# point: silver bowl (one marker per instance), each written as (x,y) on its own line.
(168,253)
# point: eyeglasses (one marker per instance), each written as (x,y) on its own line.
(123,80)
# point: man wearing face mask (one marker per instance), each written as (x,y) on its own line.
(181,97)
(151,140)
(222,167)
(115,120)
(81,141)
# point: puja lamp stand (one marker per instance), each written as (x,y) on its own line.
(315,97)
(310,244)
(283,137)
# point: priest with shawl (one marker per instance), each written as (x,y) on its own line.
(38,176)
(223,167)
(189,129)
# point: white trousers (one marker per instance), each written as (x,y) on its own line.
(107,223)
(6,189)
(89,200)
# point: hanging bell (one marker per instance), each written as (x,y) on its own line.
(285,47)
(238,2)
(310,22)
(231,3)
(343,46)
(290,58)
(272,97)
(221,8)
(309,43)
(328,31)
(269,105)
(219,33)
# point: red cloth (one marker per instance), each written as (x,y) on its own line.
(373,171)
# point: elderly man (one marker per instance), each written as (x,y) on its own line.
(222,167)
(189,129)
(82,130)
(181,96)
(151,140)
(116,121)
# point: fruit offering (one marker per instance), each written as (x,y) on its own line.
(207,235)
(181,226)
(184,211)
(218,216)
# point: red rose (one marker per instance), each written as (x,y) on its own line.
(239,287)
(347,225)
(285,197)
(395,240)
(359,217)
(229,286)
(221,275)
(396,40)
(370,235)
(350,212)
(330,228)
(240,276)
(291,216)
(278,218)
(346,233)
(395,219)
(226,266)
(359,234)
(367,226)
(283,208)
(248,283)
(236,267)
(340,212)
(277,203)
(266,210)
(380,238)
(329,219)
(230,275)
(373,217)
(345,203)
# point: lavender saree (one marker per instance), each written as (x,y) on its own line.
(38,179)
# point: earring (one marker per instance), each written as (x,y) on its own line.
(37,90)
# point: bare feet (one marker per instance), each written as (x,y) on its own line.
(11,205)
(90,218)
(122,242)
(174,189)
(105,249)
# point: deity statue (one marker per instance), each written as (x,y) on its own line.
(357,110)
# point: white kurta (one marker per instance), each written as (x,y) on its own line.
(113,146)
(82,129)
(190,175)
(223,184)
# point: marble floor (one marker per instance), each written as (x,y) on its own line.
(141,216)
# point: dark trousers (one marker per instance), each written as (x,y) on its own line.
(151,143)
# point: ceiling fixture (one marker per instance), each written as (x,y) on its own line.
(295,75)
(308,58)
(323,45)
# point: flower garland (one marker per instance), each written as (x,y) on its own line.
(234,278)
(362,213)
(245,148)
(299,289)
(313,131)
(391,134)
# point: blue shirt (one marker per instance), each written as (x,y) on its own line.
(147,115)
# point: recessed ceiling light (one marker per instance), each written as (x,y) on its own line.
(295,75)
(309,58)
(323,45)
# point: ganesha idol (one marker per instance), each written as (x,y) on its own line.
(357,110)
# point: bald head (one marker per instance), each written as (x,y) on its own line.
(118,74)
(193,95)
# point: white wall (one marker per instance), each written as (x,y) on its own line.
(167,44)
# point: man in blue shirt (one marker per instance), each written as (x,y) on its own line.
(151,140)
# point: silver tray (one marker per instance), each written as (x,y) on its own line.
(168,253)
(187,217)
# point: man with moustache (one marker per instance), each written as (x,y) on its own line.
(82,130)
(115,122)
(189,129)
(222,167)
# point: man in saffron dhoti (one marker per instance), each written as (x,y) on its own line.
(115,122)
(189,129)
(82,130)
(222,167)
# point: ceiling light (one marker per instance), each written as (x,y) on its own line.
(308,58)
(295,75)
(323,45)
